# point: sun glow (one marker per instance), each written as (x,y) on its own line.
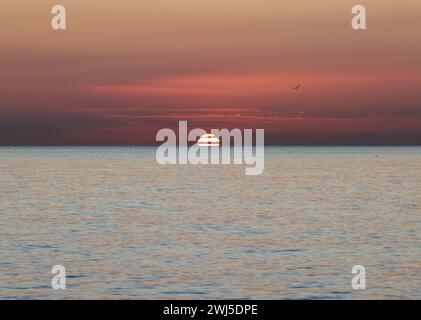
(208,140)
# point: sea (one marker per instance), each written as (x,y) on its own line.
(125,227)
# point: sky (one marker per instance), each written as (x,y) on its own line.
(123,69)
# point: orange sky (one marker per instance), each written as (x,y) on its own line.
(124,69)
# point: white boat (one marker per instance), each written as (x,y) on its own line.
(208,140)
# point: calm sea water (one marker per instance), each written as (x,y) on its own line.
(125,227)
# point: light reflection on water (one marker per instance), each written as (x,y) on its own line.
(126,227)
